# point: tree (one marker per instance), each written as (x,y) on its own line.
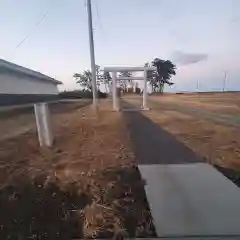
(84,79)
(123,83)
(98,72)
(99,76)
(103,77)
(165,70)
(107,79)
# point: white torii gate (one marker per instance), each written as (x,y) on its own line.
(114,71)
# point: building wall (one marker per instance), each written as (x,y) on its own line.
(20,89)
(21,84)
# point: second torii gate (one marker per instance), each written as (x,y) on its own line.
(114,71)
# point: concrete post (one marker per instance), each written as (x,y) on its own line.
(114,91)
(145,106)
(42,114)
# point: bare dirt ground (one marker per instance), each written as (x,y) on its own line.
(217,142)
(86,185)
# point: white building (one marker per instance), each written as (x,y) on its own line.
(22,85)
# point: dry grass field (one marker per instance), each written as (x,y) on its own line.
(16,120)
(226,103)
(207,123)
(86,185)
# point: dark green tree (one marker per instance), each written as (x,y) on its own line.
(165,70)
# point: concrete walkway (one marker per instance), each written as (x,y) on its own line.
(187,197)
(191,200)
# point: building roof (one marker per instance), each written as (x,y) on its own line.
(26,71)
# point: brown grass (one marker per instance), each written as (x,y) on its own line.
(14,121)
(86,185)
(218,144)
(226,103)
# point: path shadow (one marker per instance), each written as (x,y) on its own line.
(154,145)
(32,211)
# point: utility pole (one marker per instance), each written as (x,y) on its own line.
(197,87)
(224,81)
(92,55)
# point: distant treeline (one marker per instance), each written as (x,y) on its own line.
(78,94)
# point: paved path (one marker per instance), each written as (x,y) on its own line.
(187,197)
(162,147)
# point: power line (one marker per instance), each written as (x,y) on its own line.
(98,15)
(43,16)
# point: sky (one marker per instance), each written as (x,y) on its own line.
(201,37)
